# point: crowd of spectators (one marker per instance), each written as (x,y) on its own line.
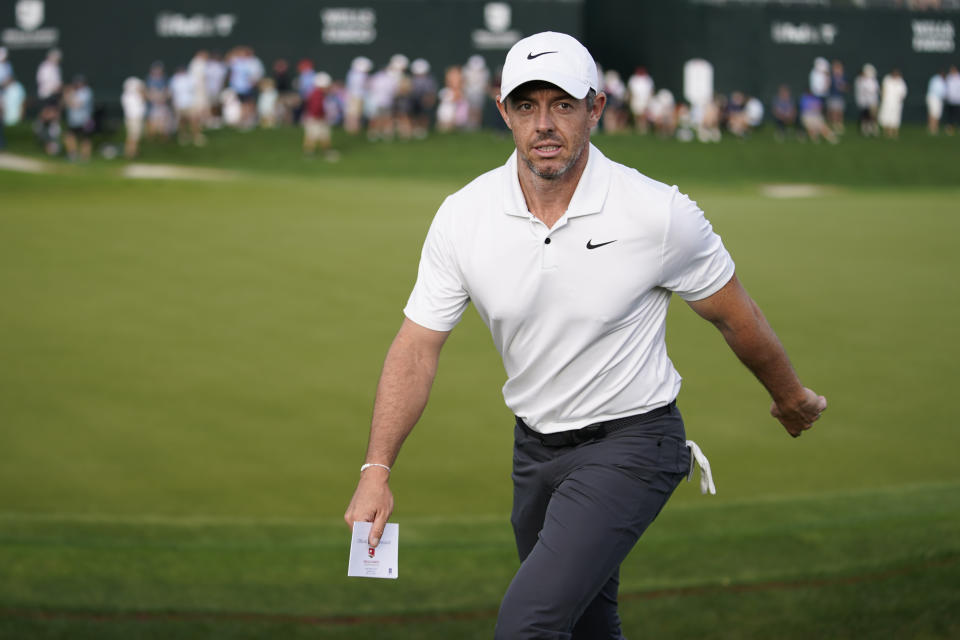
(65,111)
(12,96)
(400,100)
(405,100)
(819,112)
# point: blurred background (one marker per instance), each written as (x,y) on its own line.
(250,61)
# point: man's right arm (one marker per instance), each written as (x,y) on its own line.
(402,393)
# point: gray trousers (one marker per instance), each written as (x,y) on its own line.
(578,510)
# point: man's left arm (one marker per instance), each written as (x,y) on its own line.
(750,336)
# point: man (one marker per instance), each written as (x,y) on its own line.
(50,80)
(424,96)
(316,128)
(570,260)
(6,77)
(197,69)
(134,105)
(476,81)
(820,79)
(811,117)
(640,88)
(936,93)
(866,92)
(6,69)
(12,98)
(837,97)
(784,113)
(246,69)
(356,85)
(183,94)
(49,92)
(952,99)
(893,92)
(78,100)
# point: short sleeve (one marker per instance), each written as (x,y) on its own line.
(438,299)
(695,264)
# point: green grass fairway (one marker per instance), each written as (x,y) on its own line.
(187,370)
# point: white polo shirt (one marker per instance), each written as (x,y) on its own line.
(578,312)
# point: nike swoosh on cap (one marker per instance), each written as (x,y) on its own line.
(532,55)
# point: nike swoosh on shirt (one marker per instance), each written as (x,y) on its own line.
(590,244)
(531,55)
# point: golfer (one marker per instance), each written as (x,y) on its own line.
(571,259)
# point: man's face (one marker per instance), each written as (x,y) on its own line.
(550,128)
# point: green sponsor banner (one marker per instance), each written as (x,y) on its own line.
(756,48)
(753,47)
(110,40)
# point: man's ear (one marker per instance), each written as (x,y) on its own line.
(502,108)
(599,102)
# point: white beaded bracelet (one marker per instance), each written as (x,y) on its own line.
(364,467)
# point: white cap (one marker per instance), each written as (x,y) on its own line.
(551,57)
(476,61)
(322,80)
(420,66)
(362,64)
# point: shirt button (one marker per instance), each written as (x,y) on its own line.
(547,241)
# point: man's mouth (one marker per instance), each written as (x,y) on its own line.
(547,150)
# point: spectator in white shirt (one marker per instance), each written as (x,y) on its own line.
(184,95)
(49,90)
(952,99)
(134,105)
(936,92)
(893,91)
(640,87)
(49,79)
(866,92)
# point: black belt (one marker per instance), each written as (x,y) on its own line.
(592,431)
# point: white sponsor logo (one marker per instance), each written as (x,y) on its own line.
(933,36)
(177,25)
(349,26)
(803,33)
(29,16)
(497,17)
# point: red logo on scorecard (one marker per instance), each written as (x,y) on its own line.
(371,552)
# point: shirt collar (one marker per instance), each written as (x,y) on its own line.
(588,198)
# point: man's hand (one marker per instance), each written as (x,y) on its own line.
(371,502)
(402,394)
(748,333)
(799,416)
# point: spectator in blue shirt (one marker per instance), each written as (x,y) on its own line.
(837,96)
(78,100)
(784,113)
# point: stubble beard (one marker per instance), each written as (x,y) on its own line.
(554,174)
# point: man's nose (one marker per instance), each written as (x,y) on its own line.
(544,120)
